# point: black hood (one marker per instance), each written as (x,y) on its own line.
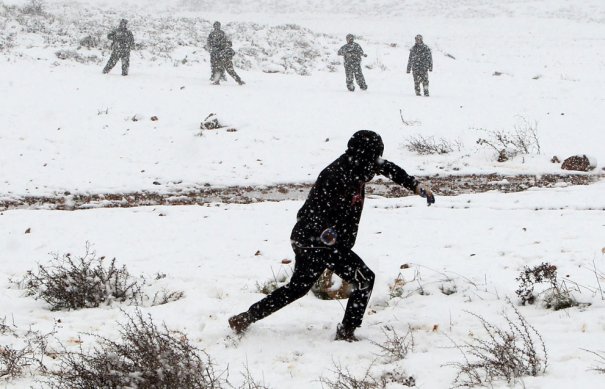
(364,150)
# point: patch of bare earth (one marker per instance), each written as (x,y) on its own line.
(441,185)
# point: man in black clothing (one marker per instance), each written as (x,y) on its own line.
(326,230)
(216,43)
(352,53)
(420,63)
(225,63)
(122,41)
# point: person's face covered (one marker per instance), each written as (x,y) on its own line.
(364,151)
(365,165)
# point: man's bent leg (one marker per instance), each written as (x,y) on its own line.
(307,269)
(352,269)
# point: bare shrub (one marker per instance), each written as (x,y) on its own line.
(166,296)
(34,7)
(146,356)
(249,381)
(397,288)
(344,379)
(82,282)
(428,145)
(267,287)
(64,54)
(396,347)
(503,353)
(556,296)
(89,281)
(25,352)
(521,140)
(600,361)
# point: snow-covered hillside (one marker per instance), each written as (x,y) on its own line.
(66,129)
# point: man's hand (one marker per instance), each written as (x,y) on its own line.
(423,190)
(328,237)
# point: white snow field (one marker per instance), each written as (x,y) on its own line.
(498,66)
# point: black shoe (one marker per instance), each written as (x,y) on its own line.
(239,323)
(363,87)
(417,93)
(241,82)
(426,94)
(344,333)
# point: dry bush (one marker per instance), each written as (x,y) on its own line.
(24,352)
(501,354)
(270,285)
(428,145)
(83,282)
(556,296)
(600,361)
(145,357)
(66,54)
(344,379)
(396,346)
(521,140)
(34,7)
(88,281)
(249,381)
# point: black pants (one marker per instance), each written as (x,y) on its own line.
(117,55)
(421,77)
(353,71)
(310,264)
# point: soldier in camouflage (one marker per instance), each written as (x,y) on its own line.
(225,63)
(122,42)
(352,53)
(215,44)
(420,63)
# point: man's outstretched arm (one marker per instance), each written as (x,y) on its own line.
(400,176)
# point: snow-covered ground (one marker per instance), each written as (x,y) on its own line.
(67,127)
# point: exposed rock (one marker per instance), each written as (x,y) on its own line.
(327,289)
(579,163)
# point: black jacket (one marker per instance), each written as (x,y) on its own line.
(421,59)
(352,53)
(122,38)
(336,200)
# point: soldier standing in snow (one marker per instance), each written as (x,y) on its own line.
(122,41)
(225,63)
(216,43)
(420,63)
(326,230)
(352,53)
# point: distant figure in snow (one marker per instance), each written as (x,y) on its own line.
(352,53)
(215,44)
(225,63)
(420,63)
(326,230)
(122,42)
